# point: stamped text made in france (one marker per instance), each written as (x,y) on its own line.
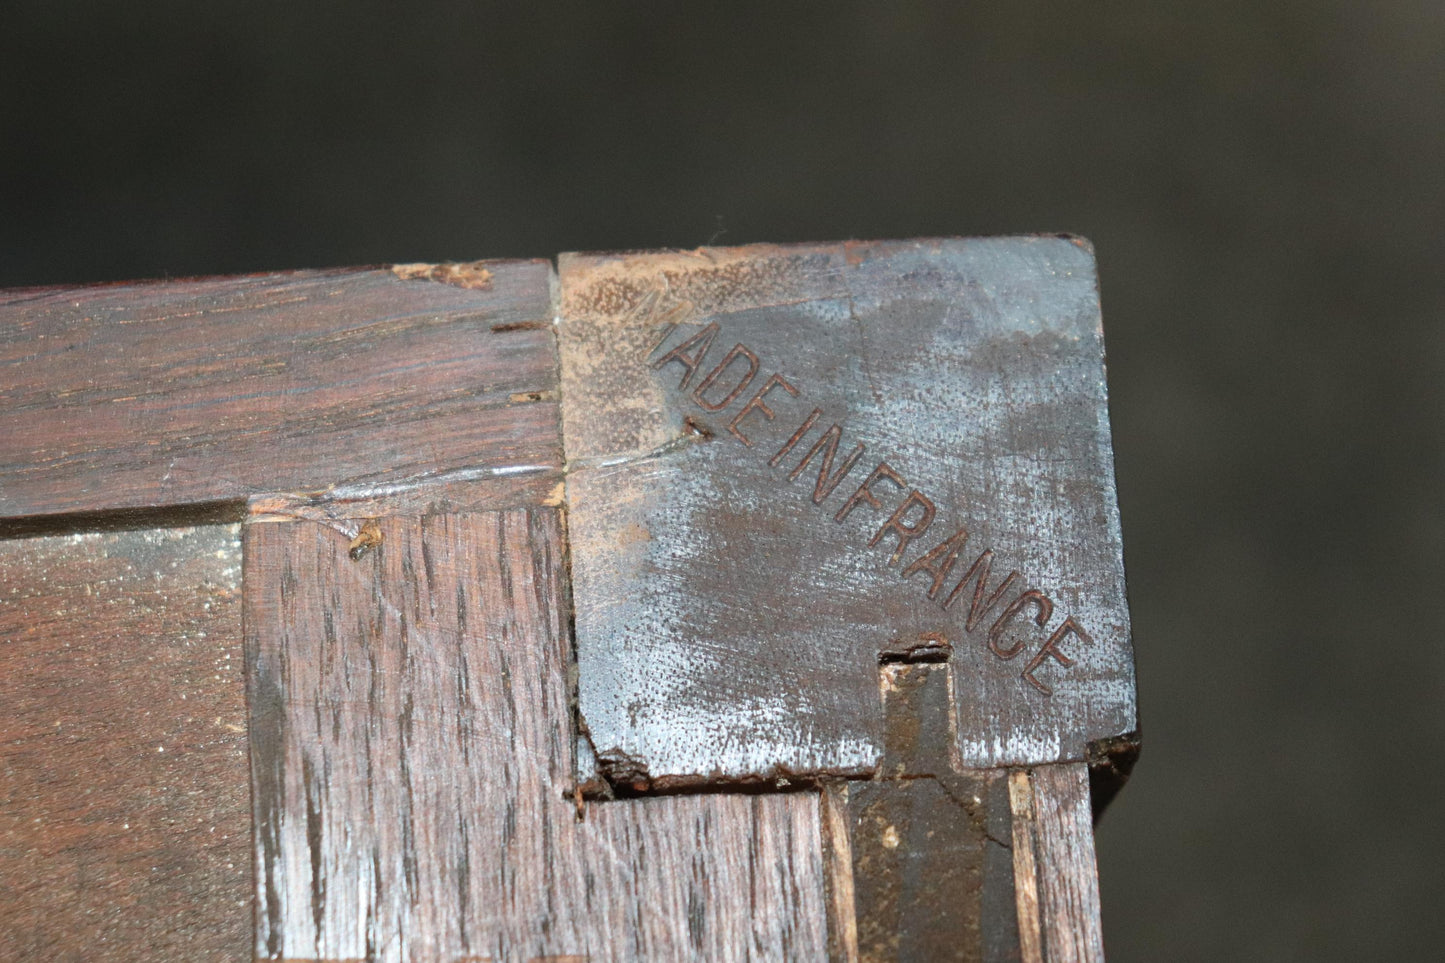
(907,513)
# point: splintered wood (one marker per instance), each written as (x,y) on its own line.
(412,750)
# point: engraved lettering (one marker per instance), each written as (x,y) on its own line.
(1042,602)
(908,523)
(667,321)
(865,490)
(797,437)
(755,403)
(938,561)
(906,531)
(827,480)
(1051,650)
(979,607)
(739,349)
(702,341)
(662,337)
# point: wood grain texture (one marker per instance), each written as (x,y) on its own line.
(124,812)
(918,830)
(141,395)
(785,458)
(1026,867)
(411,666)
(1067,870)
(412,746)
(919,859)
(1058,901)
(838,868)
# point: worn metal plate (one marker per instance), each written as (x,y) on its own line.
(733,594)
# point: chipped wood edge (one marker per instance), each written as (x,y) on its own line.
(472,275)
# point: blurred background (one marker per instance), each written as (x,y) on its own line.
(1265,186)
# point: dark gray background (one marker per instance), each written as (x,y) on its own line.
(1263,182)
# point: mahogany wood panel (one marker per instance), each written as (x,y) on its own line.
(177,393)
(124,814)
(412,752)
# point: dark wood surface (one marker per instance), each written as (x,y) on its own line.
(392,439)
(919,831)
(177,393)
(785,459)
(930,863)
(412,750)
(125,822)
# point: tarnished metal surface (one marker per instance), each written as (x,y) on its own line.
(784,461)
